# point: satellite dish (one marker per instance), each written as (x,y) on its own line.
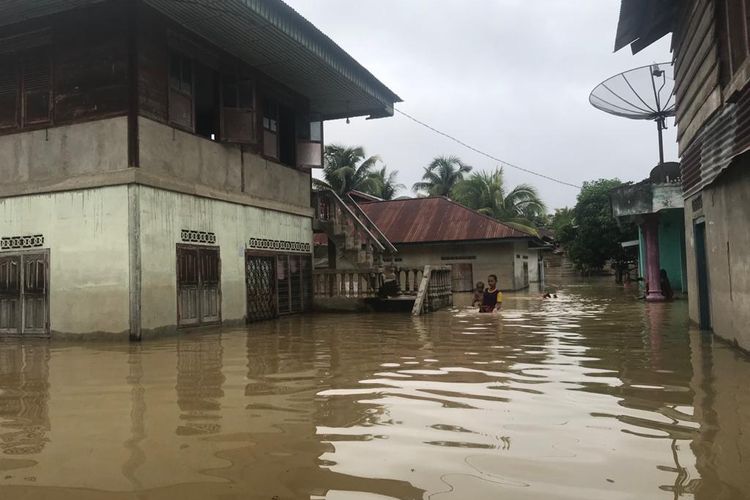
(645,93)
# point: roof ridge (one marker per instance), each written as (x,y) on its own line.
(492,219)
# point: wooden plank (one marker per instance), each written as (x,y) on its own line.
(699,21)
(422,292)
(687,133)
(687,84)
(688,61)
(699,90)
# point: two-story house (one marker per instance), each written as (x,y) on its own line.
(155,161)
(711,44)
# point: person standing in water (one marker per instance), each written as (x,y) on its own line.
(492,299)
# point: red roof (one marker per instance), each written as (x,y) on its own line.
(436,219)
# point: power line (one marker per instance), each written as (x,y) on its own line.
(479,151)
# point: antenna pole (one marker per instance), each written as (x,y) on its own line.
(660,127)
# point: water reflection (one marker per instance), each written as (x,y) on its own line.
(24,413)
(592,395)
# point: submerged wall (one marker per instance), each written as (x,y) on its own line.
(725,207)
(86,233)
(486,258)
(164,215)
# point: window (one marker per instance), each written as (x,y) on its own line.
(181,91)
(36,89)
(238,109)
(734,36)
(271,128)
(25,89)
(8,94)
(310,143)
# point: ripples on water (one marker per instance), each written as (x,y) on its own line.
(593,395)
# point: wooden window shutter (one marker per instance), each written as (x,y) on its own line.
(181,91)
(36,82)
(238,111)
(271,129)
(310,142)
(738,36)
(8,93)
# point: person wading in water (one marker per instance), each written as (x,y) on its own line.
(492,299)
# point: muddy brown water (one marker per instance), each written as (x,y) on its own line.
(593,395)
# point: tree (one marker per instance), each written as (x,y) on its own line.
(345,169)
(486,192)
(385,184)
(593,236)
(560,219)
(441,175)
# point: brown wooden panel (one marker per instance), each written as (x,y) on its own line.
(270,144)
(10,294)
(8,93)
(198,285)
(90,64)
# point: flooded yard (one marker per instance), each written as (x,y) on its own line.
(592,395)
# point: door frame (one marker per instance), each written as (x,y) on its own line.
(200,322)
(702,274)
(275,293)
(21,277)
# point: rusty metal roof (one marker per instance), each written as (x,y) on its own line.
(435,219)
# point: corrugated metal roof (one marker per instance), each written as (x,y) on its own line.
(268,35)
(437,219)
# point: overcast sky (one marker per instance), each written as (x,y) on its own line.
(511,77)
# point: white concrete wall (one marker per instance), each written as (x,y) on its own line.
(173,154)
(491,258)
(726,208)
(44,157)
(164,214)
(86,233)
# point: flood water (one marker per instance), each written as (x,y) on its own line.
(592,395)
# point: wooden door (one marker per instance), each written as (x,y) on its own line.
(210,272)
(10,294)
(35,293)
(198,285)
(24,294)
(260,276)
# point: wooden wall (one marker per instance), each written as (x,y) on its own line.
(698,89)
(88,51)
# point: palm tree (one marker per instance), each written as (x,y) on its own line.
(385,183)
(442,175)
(486,193)
(345,169)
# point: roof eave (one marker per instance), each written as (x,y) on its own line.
(642,22)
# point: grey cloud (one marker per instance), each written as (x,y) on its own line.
(511,77)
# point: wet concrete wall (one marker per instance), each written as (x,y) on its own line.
(86,233)
(224,168)
(163,216)
(726,208)
(486,258)
(44,159)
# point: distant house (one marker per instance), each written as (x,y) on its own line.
(437,230)
(155,161)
